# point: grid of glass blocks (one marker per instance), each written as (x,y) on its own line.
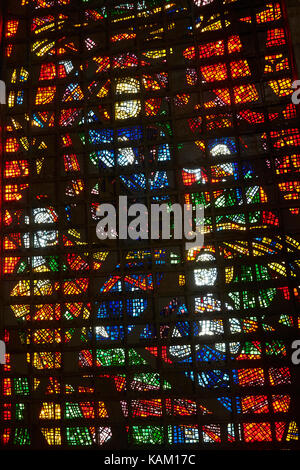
(142,343)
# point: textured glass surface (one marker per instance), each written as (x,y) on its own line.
(137,344)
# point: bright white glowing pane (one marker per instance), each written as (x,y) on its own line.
(176,333)
(180,351)
(227,167)
(201,3)
(26,240)
(126,156)
(104,434)
(44,238)
(205,276)
(43,215)
(235,325)
(127,109)
(220,149)
(101,331)
(210,327)
(37,262)
(127,85)
(68,65)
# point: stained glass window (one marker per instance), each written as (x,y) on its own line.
(135,344)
